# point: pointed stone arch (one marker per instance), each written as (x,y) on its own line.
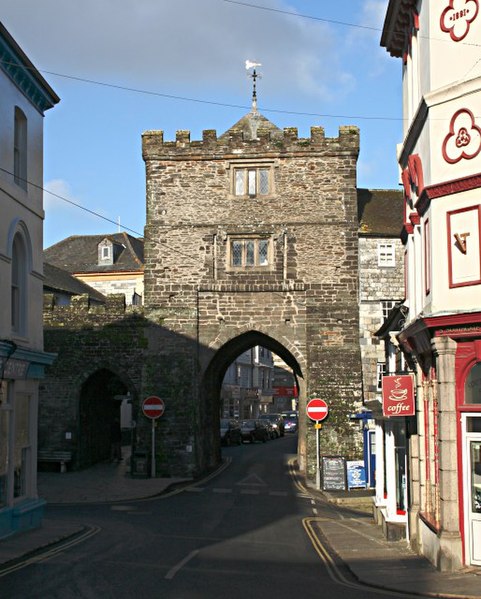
(227,347)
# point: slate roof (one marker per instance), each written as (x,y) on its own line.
(380,212)
(250,123)
(58,280)
(79,254)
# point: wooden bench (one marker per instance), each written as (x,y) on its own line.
(62,457)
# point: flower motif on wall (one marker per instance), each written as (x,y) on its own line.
(457,17)
(463,139)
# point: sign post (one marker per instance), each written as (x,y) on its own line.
(317,410)
(153,407)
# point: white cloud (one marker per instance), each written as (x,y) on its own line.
(173,45)
(54,193)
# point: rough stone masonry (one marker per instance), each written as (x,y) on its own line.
(251,238)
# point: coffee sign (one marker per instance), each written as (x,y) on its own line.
(398,395)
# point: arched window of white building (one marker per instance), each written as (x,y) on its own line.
(20,149)
(472,388)
(19,285)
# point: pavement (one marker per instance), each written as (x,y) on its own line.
(350,544)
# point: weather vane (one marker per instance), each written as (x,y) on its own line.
(252,65)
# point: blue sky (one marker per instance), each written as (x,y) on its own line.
(326,70)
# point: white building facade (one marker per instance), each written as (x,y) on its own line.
(440,160)
(24,98)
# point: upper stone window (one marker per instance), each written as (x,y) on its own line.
(252,180)
(386,253)
(249,253)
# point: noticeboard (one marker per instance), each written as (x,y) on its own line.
(333,473)
(356,474)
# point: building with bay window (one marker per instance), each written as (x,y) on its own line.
(440,161)
(24,98)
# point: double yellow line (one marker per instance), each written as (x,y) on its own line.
(48,553)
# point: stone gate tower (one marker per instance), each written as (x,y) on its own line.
(251,239)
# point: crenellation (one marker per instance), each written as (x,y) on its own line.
(182,137)
(209,136)
(290,134)
(237,142)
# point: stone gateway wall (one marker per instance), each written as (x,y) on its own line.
(304,300)
(205,302)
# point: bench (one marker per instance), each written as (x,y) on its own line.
(62,457)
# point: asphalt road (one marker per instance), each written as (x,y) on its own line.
(241,534)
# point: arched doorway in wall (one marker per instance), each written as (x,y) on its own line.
(210,404)
(104,408)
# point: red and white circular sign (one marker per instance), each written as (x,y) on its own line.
(153,407)
(317,409)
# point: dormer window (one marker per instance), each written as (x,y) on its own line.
(105,252)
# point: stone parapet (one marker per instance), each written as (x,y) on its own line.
(236,144)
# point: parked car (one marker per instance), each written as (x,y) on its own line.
(230,432)
(253,430)
(277,421)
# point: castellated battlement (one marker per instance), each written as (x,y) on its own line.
(82,313)
(239,142)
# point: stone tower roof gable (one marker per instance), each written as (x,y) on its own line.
(250,125)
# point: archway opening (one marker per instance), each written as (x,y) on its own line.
(239,383)
(103,416)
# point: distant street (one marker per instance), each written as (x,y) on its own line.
(240,534)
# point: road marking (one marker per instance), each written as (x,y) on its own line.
(314,511)
(52,552)
(252,481)
(334,572)
(173,571)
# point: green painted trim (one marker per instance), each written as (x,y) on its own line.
(23,75)
(37,360)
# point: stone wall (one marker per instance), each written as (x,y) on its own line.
(375,285)
(306,299)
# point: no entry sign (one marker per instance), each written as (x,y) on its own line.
(153,407)
(317,409)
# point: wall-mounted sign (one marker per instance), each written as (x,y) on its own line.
(13,368)
(398,395)
(464,260)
